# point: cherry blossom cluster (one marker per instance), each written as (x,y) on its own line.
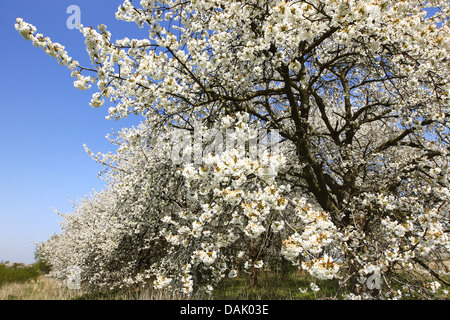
(358,191)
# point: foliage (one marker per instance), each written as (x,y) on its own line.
(41,265)
(17,273)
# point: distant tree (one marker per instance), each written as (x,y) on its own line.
(40,263)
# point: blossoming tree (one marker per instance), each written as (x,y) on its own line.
(358,190)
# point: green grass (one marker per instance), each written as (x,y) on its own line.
(17,273)
(273,287)
(15,284)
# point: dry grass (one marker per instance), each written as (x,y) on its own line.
(41,289)
(44,288)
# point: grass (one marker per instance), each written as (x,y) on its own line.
(273,287)
(17,273)
(25,285)
(26,282)
(41,288)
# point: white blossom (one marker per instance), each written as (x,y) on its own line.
(357,182)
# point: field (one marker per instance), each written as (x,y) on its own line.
(271,288)
(19,282)
(17,273)
(25,283)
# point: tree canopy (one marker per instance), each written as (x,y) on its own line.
(355,186)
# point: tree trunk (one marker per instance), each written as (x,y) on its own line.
(284,268)
(253,253)
(254,278)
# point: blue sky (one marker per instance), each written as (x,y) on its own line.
(45,120)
